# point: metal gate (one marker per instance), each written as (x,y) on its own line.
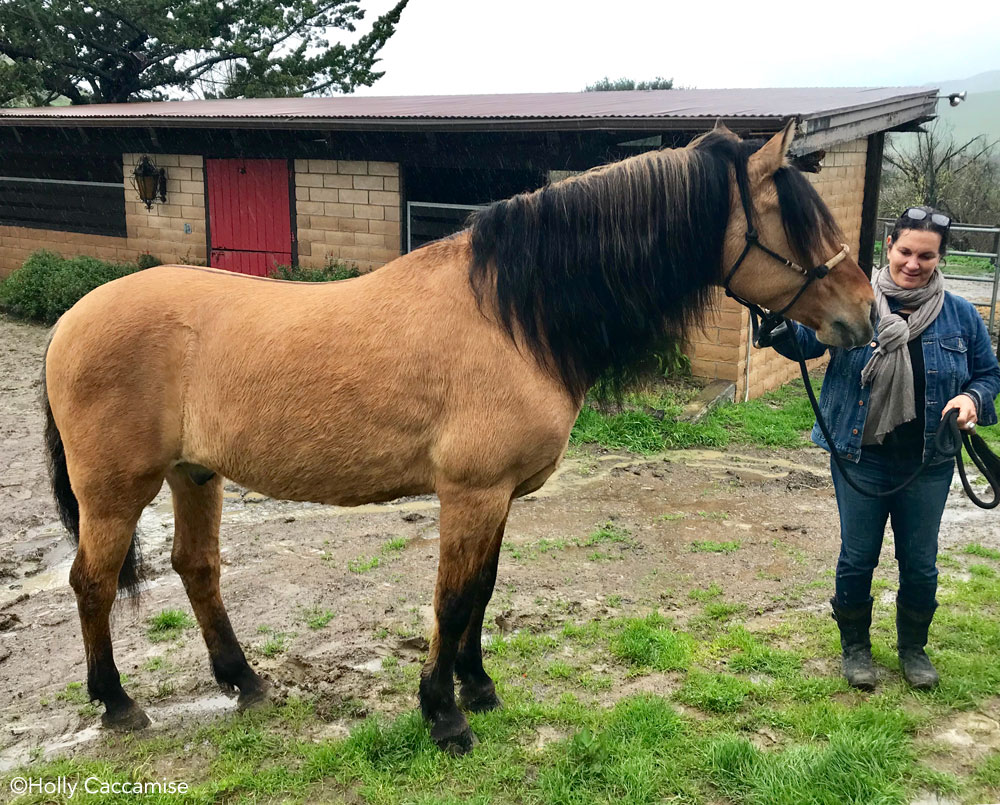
(249,214)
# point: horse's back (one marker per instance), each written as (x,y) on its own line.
(342,392)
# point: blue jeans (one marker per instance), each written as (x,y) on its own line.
(915,513)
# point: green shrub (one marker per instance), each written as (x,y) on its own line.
(332,271)
(48,285)
(146,260)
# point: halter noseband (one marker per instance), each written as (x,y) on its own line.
(771,325)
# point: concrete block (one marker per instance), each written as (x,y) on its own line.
(383,168)
(352,166)
(367,182)
(713,395)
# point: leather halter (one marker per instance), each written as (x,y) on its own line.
(771,323)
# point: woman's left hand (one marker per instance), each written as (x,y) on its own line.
(966,410)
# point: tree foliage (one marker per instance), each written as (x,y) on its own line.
(619,84)
(116,51)
(959,178)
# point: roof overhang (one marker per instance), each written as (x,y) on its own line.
(826,116)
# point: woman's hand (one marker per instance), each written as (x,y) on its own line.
(966,410)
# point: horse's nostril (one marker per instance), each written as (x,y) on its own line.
(871,315)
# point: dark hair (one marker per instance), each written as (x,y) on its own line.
(925,224)
(590,271)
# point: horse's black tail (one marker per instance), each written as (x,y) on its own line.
(131,575)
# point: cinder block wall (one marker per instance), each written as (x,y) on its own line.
(160,231)
(720,350)
(17,242)
(347,210)
(173,232)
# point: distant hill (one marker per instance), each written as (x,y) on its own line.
(983,82)
(979,113)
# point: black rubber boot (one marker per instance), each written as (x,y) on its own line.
(911,634)
(856,643)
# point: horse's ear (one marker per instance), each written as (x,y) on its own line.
(772,155)
(721,127)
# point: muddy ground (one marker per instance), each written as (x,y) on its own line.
(284,561)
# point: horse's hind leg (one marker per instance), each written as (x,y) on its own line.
(470,524)
(105,537)
(478,693)
(195,557)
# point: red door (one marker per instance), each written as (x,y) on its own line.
(248,213)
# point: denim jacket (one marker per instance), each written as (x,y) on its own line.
(958,358)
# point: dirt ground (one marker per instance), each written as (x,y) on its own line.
(282,561)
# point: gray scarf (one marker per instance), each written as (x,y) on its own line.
(889,371)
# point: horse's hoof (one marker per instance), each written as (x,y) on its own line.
(481,702)
(255,698)
(455,743)
(128,720)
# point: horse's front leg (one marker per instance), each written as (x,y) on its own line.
(478,693)
(471,525)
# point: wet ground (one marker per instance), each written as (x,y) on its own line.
(284,564)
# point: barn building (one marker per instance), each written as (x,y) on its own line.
(247,184)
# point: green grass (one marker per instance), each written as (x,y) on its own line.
(157,663)
(778,419)
(363,564)
(710,546)
(609,534)
(740,714)
(715,693)
(390,549)
(276,643)
(975,549)
(712,591)
(720,610)
(74,693)
(972,266)
(169,624)
(317,617)
(651,643)
(394,545)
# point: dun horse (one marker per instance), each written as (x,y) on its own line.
(458,369)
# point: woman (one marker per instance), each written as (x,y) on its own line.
(883,403)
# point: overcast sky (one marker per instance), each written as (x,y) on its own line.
(487,46)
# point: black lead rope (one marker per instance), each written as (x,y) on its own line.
(948,440)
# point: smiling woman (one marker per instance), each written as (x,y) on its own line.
(914,254)
(931,353)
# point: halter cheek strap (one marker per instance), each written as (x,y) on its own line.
(811,274)
(770,325)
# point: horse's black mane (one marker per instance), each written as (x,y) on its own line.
(590,272)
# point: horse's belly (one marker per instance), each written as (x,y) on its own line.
(341,488)
(348,473)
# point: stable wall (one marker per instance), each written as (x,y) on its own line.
(344,210)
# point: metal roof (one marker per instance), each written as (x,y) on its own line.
(818,109)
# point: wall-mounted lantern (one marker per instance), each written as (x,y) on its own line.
(149,182)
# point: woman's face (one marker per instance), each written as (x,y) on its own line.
(913,257)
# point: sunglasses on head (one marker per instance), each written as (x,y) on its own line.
(917,214)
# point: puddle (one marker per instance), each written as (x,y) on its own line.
(168,715)
(764,467)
